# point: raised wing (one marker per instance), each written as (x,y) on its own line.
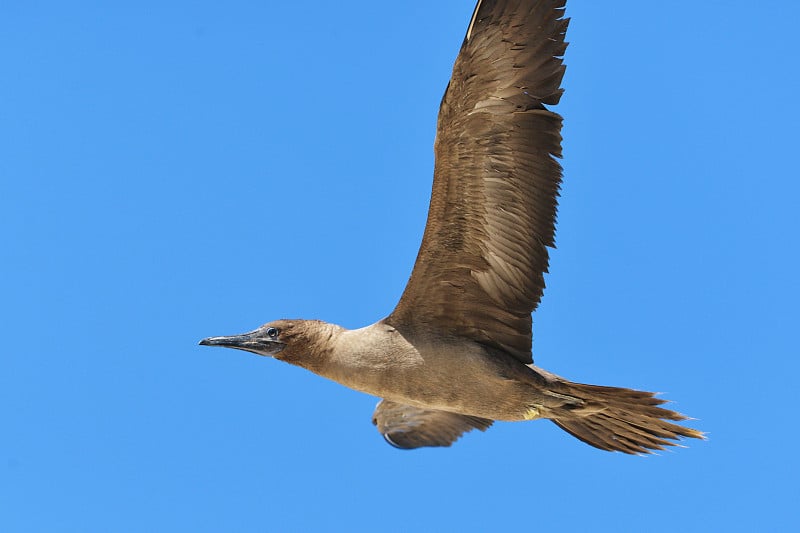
(479,272)
(407,427)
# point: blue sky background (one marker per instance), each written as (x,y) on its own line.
(173,170)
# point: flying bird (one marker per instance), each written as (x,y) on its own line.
(455,354)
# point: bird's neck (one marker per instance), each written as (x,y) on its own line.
(315,347)
(366,359)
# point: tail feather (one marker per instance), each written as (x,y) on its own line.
(617,419)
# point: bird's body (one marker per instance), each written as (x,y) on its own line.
(455,354)
(418,370)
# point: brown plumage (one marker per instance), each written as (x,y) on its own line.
(480,269)
(455,354)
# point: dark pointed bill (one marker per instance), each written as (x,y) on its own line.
(257,342)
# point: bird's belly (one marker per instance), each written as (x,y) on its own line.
(490,397)
(461,381)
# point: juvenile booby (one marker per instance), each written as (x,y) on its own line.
(455,354)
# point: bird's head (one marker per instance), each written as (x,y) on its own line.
(299,342)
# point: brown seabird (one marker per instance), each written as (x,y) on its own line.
(455,354)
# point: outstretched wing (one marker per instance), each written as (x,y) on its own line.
(407,427)
(479,272)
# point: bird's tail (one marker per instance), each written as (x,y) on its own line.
(617,419)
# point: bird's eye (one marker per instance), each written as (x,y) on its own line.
(273,333)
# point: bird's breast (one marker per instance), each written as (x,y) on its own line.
(457,376)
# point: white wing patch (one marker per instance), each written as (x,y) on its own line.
(474,17)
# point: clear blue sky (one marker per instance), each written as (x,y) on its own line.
(173,170)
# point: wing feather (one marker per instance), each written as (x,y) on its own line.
(480,269)
(407,427)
